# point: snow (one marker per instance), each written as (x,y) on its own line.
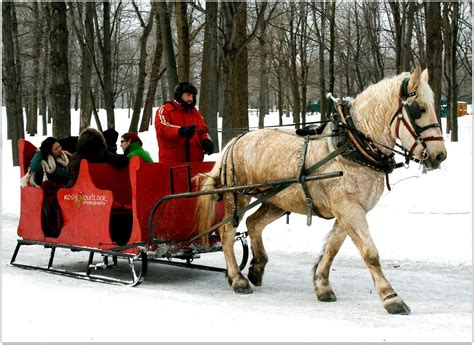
(422,229)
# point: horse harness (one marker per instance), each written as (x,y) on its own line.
(414,112)
(351,144)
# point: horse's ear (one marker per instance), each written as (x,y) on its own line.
(424,75)
(414,80)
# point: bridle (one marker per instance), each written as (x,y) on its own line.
(414,112)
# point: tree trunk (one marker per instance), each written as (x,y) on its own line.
(154,78)
(395,7)
(107,67)
(137,106)
(19,75)
(332,45)
(263,89)
(410,19)
(87,44)
(323,104)
(10,79)
(234,68)
(239,115)
(168,48)
(182,28)
(33,101)
(434,50)
(44,108)
(304,68)
(59,91)
(454,40)
(448,62)
(208,99)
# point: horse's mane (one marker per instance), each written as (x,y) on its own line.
(378,99)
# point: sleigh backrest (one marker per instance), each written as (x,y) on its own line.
(26,151)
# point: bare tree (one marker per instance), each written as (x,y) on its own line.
(85,37)
(296,99)
(154,77)
(141,65)
(19,73)
(434,49)
(208,99)
(319,27)
(182,28)
(10,80)
(59,90)
(32,115)
(43,109)
(171,70)
(450,32)
(107,66)
(263,89)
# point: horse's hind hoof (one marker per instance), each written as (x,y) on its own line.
(396,306)
(255,278)
(240,285)
(328,296)
(243,290)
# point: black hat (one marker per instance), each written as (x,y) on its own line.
(111,136)
(182,88)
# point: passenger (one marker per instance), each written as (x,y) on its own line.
(111,136)
(92,146)
(180,128)
(48,169)
(49,163)
(132,146)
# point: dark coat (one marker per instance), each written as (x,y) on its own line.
(92,146)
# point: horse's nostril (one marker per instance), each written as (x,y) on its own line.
(441,157)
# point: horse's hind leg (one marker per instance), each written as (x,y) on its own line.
(239,283)
(266,214)
(351,218)
(321,270)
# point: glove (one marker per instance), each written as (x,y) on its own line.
(207,146)
(187,131)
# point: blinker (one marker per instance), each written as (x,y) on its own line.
(414,111)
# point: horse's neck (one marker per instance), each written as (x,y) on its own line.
(372,116)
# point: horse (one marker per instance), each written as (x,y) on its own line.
(399,108)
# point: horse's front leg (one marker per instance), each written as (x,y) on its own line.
(239,283)
(351,218)
(334,241)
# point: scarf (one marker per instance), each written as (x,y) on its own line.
(49,166)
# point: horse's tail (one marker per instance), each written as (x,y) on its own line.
(206,204)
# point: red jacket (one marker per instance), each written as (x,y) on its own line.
(172,147)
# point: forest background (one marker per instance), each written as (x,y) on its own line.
(269,56)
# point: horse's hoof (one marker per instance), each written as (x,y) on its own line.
(243,290)
(396,306)
(255,276)
(328,296)
(240,284)
(256,270)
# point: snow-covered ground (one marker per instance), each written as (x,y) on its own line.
(422,228)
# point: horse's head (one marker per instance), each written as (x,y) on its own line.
(415,123)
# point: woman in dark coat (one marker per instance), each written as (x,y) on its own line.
(48,164)
(91,146)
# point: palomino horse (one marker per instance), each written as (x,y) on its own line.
(398,108)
